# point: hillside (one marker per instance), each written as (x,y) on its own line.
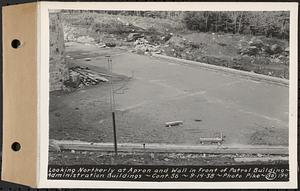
(147,35)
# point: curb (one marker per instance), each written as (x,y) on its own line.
(169,148)
(253,76)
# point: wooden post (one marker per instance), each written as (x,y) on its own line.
(112,104)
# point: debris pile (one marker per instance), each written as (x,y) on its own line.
(143,45)
(83,77)
(257,47)
(178,46)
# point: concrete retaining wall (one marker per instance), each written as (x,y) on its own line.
(250,75)
(58,66)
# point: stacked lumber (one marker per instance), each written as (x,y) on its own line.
(87,77)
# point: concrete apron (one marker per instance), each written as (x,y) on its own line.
(251,75)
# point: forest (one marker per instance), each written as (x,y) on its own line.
(270,24)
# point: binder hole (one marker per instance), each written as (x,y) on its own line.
(16,146)
(15,43)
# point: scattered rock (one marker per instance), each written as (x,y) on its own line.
(73,151)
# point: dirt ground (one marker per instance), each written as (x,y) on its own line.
(92,158)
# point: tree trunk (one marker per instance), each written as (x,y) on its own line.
(235,19)
(240,23)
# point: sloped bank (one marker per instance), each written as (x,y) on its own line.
(251,75)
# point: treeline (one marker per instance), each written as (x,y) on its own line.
(268,23)
(153,14)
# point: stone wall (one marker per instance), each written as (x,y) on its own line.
(58,66)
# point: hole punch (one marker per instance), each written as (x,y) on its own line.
(16,146)
(15,43)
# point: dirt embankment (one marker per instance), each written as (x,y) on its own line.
(253,54)
(144,35)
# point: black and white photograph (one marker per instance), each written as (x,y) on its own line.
(162,92)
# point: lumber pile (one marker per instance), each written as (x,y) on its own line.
(86,77)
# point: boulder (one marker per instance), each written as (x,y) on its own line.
(251,50)
(167,37)
(275,48)
(256,42)
(134,36)
(110,44)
